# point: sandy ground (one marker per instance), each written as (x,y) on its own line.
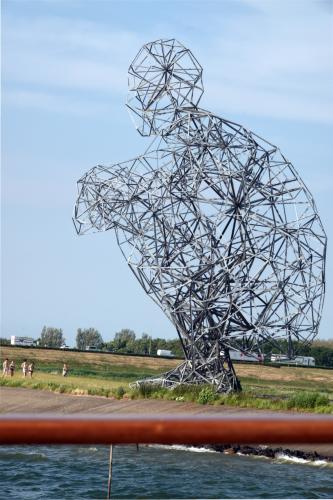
(20,400)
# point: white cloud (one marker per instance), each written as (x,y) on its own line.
(228,99)
(272,60)
(56,53)
(53,103)
(275,61)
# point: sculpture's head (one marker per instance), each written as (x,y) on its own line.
(163,78)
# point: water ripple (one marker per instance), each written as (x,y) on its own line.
(155,472)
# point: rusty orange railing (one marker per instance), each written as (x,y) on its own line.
(164,429)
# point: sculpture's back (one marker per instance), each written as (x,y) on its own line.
(215,223)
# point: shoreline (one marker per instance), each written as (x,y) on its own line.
(274,452)
(22,400)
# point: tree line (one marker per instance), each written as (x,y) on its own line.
(126,341)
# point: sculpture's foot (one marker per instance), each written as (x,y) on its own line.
(224,380)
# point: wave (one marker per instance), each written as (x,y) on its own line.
(283,457)
(28,456)
(251,455)
(279,457)
(183,447)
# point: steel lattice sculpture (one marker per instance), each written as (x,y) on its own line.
(214,222)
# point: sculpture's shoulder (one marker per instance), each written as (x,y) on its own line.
(198,128)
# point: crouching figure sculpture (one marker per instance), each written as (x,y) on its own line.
(214,222)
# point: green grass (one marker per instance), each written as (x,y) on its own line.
(286,385)
(70,385)
(301,401)
(121,372)
(86,364)
(308,401)
(106,375)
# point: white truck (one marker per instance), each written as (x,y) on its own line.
(297,360)
(165,353)
(22,341)
(91,348)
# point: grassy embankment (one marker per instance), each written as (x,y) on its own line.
(304,389)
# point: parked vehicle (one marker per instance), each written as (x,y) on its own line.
(91,348)
(22,341)
(297,360)
(248,356)
(279,358)
(165,353)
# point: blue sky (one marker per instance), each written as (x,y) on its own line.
(267,65)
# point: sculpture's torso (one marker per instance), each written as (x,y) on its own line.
(215,227)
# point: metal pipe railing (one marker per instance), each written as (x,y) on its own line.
(164,429)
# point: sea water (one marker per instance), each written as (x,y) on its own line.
(72,472)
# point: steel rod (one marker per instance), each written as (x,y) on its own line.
(164,429)
(110,471)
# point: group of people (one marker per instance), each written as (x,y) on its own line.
(8,368)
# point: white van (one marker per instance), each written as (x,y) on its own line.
(165,353)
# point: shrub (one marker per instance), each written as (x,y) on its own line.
(206,395)
(52,386)
(146,390)
(119,392)
(38,385)
(307,400)
(189,392)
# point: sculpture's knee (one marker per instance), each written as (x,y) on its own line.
(100,201)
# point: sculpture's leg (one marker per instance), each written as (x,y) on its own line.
(218,371)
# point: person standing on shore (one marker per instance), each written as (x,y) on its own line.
(12,368)
(31,369)
(24,367)
(5,368)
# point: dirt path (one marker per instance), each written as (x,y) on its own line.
(20,400)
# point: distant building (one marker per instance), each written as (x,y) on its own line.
(22,341)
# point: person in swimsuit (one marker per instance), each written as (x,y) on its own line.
(12,368)
(65,370)
(24,367)
(5,367)
(31,368)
